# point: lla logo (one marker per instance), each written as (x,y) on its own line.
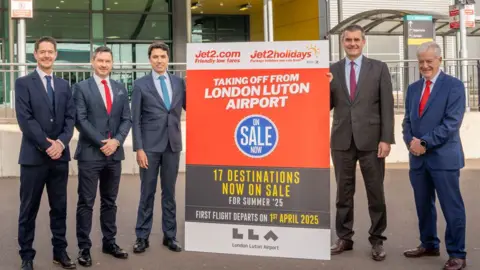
(256,136)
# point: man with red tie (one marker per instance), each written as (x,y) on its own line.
(435,106)
(362,131)
(103,122)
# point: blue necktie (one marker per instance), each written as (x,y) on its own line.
(50,93)
(166,97)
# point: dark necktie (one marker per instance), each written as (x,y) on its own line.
(353,81)
(50,92)
(166,97)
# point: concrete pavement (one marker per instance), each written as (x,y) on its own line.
(402,231)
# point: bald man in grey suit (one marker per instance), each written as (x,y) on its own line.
(362,130)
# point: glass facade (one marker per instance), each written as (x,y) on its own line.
(220,28)
(80,26)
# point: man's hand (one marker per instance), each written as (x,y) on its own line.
(142,159)
(383,150)
(55,150)
(416,148)
(330,76)
(109,147)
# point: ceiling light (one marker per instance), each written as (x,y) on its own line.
(245,7)
(196,5)
(116,3)
(113,37)
(57,7)
(62,1)
(221,4)
(108,8)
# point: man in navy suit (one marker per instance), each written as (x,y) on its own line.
(157,102)
(103,122)
(46,115)
(435,106)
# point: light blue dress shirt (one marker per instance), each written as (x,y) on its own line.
(358,65)
(433,80)
(156,81)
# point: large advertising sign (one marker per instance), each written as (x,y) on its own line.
(258,158)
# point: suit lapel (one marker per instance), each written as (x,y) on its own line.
(364,71)
(416,98)
(56,91)
(96,93)
(175,90)
(115,93)
(38,83)
(433,92)
(343,80)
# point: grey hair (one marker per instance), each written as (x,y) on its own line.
(353,28)
(430,45)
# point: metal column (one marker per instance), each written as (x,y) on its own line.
(22,47)
(463,52)
(340,19)
(268,20)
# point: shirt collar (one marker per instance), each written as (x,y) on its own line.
(357,61)
(42,74)
(434,79)
(98,80)
(156,75)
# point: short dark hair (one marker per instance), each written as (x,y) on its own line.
(353,28)
(100,50)
(45,39)
(158,45)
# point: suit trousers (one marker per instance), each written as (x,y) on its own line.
(53,174)
(165,163)
(373,172)
(425,182)
(89,173)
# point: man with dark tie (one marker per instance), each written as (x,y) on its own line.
(103,122)
(362,130)
(434,111)
(157,102)
(46,116)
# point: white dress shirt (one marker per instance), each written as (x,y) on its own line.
(101,88)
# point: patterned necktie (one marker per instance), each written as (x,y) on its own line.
(50,92)
(108,97)
(353,81)
(424,99)
(166,97)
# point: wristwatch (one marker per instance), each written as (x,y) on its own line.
(423,143)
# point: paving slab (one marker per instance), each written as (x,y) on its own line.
(402,231)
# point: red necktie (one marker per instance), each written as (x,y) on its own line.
(353,81)
(108,98)
(425,96)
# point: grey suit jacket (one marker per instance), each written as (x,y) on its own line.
(153,125)
(369,119)
(93,122)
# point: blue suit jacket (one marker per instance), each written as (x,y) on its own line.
(95,124)
(38,119)
(153,125)
(439,126)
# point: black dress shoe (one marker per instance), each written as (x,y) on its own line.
(340,246)
(172,244)
(115,251)
(140,245)
(84,257)
(27,265)
(64,260)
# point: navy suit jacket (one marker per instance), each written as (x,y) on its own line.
(153,125)
(439,126)
(38,119)
(95,124)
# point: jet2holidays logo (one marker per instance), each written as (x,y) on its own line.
(256,136)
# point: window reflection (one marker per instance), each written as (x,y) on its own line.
(137,5)
(61,25)
(221,28)
(61,5)
(137,26)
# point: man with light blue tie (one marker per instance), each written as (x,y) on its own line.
(157,102)
(362,131)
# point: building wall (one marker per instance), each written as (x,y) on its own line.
(293,20)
